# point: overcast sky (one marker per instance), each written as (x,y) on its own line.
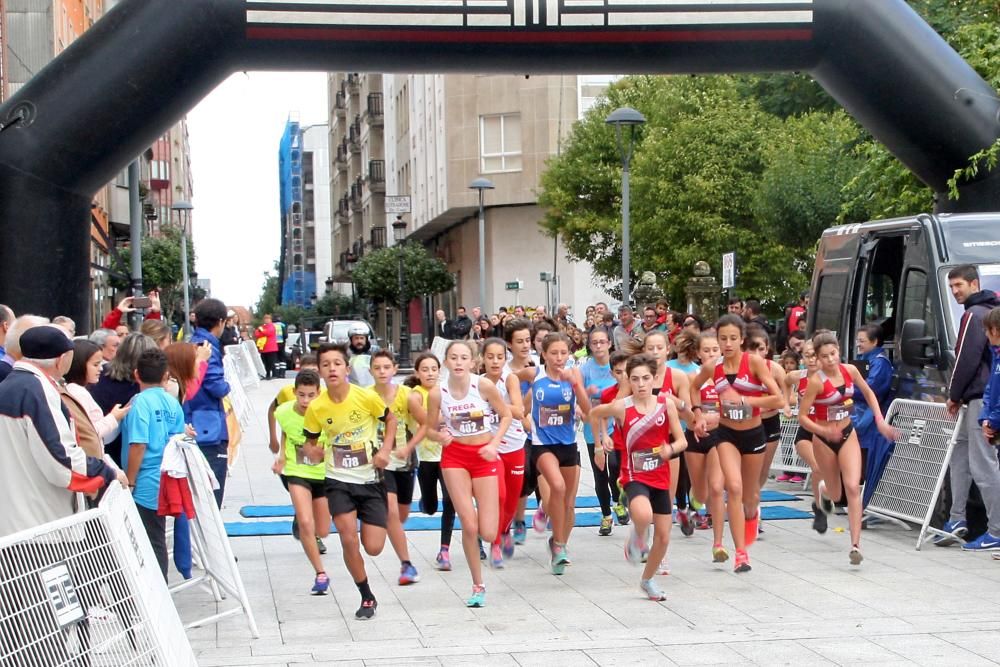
(234,160)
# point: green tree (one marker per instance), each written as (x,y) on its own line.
(376,274)
(161,268)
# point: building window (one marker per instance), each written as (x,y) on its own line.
(500,143)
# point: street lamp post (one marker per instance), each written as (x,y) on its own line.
(625,117)
(183,209)
(482,185)
(399,236)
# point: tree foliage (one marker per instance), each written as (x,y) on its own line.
(161,269)
(377,274)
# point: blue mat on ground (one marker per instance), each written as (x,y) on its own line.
(419,523)
(582,502)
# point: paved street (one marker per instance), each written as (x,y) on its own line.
(803,603)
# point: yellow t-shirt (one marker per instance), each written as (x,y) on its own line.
(352,429)
(285,394)
(401,409)
(297,465)
(427,449)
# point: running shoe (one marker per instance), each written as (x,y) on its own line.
(750,527)
(956,531)
(651,590)
(507,545)
(984,542)
(824,501)
(482,551)
(820,522)
(701,522)
(696,505)
(496,557)
(320,546)
(796,479)
(444,560)
(605,528)
(742,562)
(408,575)
(321,584)
(719,554)
(621,514)
(367,610)
(478,598)
(687,526)
(559,557)
(636,548)
(783,477)
(520,532)
(539,521)
(663,568)
(856,555)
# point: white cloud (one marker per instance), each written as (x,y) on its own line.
(234,160)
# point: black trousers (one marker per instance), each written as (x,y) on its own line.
(156,529)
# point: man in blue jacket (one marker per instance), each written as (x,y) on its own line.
(205,411)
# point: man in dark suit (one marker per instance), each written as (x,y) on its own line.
(443,327)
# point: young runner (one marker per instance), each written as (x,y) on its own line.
(745,387)
(517,334)
(511,448)
(425,377)
(796,383)
(831,390)
(759,343)
(466,403)
(303,478)
(685,360)
(701,455)
(400,474)
(614,444)
(653,436)
(556,391)
(597,376)
(349,416)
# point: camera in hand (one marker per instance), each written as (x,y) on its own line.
(141,302)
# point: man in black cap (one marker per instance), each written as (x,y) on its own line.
(44,468)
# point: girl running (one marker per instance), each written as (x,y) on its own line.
(425,377)
(745,387)
(653,436)
(759,343)
(511,448)
(831,390)
(517,333)
(796,383)
(466,403)
(556,392)
(399,474)
(702,456)
(304,479)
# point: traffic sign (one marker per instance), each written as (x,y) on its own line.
(397,204)
(729,270)
(515,285)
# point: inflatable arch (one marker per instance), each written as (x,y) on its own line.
(77,123)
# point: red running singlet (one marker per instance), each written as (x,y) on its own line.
(645,437)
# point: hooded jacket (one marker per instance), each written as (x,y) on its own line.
(972,350)
(205,411)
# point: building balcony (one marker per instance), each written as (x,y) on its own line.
(354,135)
(376,176)
(353,83)
(340,104)
(378,237)
(341,159)
(376,110)
(357,194)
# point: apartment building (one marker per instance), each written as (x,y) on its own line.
(434,135)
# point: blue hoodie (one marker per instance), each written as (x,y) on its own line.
(991,396)
(879,378)
(205,411)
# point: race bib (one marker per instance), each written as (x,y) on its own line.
(646,460)
(737,412)
(470,423)
(348,458)
(711,407)
(302,459)
(839,414)
(554,416)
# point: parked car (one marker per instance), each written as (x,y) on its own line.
(299,343)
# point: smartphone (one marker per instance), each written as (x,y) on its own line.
(141,302)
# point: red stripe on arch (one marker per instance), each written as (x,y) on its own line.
(521,37)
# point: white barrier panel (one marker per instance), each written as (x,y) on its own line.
(908,489)
(243,365)
(210,544)
(438,347)
(253,354)
(87,590)
(237,390)
(787,458)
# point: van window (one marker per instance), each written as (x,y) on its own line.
(830,300)
(917,300)
(880,298)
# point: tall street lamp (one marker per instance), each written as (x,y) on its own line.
(184,209)
(625,117)
(399,236)
(482,185)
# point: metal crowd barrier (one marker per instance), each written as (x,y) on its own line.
(87,590)
(908,489)
(787,459)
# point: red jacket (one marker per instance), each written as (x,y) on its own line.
(114,318)
(267,331)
